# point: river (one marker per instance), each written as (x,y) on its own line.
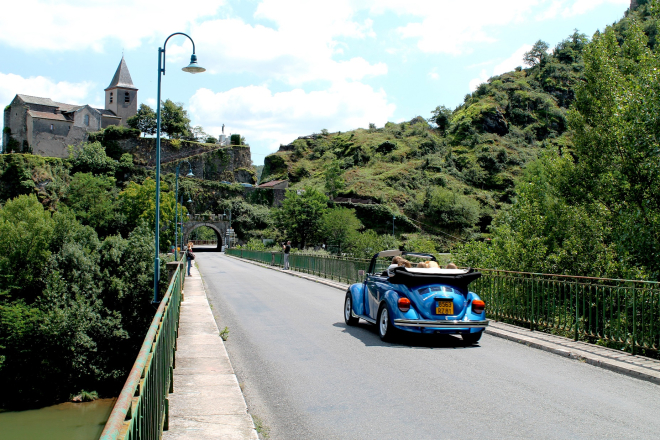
(66,421)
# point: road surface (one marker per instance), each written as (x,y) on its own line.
(306,375)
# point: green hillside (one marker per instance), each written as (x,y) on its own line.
(452,171)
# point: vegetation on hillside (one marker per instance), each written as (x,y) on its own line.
(594,207)
(452,172)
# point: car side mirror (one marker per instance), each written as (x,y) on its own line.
(360,273)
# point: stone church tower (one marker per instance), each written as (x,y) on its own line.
(121,94)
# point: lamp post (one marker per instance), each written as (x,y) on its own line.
(176,207)
(191,68)
(393,218)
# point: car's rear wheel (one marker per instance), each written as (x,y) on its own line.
(348,311)
(385,329)
(472,338)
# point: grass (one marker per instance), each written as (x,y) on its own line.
(224,333)
(262,430)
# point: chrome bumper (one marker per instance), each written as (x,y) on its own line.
(440,324)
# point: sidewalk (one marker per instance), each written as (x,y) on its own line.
(616,360)
(207,402)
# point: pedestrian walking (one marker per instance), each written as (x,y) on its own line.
(287,250)
(190,256)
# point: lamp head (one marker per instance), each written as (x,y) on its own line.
(190,173)
(193,67)
(189,200)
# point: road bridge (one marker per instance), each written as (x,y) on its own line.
(305,374)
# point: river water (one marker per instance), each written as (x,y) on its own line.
(66,421)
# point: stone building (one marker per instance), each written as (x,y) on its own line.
(45,127)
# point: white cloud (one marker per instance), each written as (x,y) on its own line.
(474,83)
(578,7)
(62,91)
(269,119)
(300,49)
(85,24)
(515,60)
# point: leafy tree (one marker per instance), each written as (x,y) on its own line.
(91,158)
(340,227)
(334,182)
(301,214)
(441,117)
(138,204)
(366,244)
(174,120)
(537,54)
(94,201)
(144,120)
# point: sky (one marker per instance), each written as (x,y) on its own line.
(279,69)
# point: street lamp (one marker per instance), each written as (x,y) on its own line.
(191,68)
(393,218)
(176,207)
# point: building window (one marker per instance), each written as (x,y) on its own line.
(51,127)
(110,97)
(127,97)
(86,119)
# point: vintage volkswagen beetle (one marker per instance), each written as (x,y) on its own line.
(416,300)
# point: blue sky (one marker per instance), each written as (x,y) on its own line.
(279,69)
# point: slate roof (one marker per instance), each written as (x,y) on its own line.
(68,107)
(36,100)
(107,113)
(46,115)
(122,77)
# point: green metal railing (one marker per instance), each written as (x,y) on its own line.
(142,409)
(619,313)
(334,268)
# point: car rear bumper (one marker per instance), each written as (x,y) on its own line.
(427,323)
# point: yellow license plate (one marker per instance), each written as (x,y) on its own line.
(445,308)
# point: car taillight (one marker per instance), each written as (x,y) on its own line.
(404,304)
(478,306)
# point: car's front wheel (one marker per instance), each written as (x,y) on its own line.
(385,329)
(348,311)
(471,338)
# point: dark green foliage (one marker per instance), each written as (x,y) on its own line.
(73,309)
(144,120)
(174,120)
(300,215)
(211,140)
(91,158)
(275,167)
(109,136)
(235,139)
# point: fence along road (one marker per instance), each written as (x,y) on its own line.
(306,375)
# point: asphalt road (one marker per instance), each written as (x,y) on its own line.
(306,375)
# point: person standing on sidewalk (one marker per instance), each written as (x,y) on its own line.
(287,250)
(190,256)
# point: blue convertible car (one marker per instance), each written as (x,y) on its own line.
(420,300)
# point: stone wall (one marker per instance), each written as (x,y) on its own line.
(210,162)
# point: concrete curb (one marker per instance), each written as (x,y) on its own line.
(639,367)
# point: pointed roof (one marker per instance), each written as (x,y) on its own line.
(122,77)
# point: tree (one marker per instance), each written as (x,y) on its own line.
(93,199)
(138,204)
(340,227)
(537,54)
(174,120)
(91,158)
(334,182)
(441,117)
(144,120)
(300,216)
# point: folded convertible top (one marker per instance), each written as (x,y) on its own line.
(420,277)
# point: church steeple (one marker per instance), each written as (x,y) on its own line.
(121,94)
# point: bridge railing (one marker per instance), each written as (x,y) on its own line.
(142,408)
(623,314)
(620,313)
